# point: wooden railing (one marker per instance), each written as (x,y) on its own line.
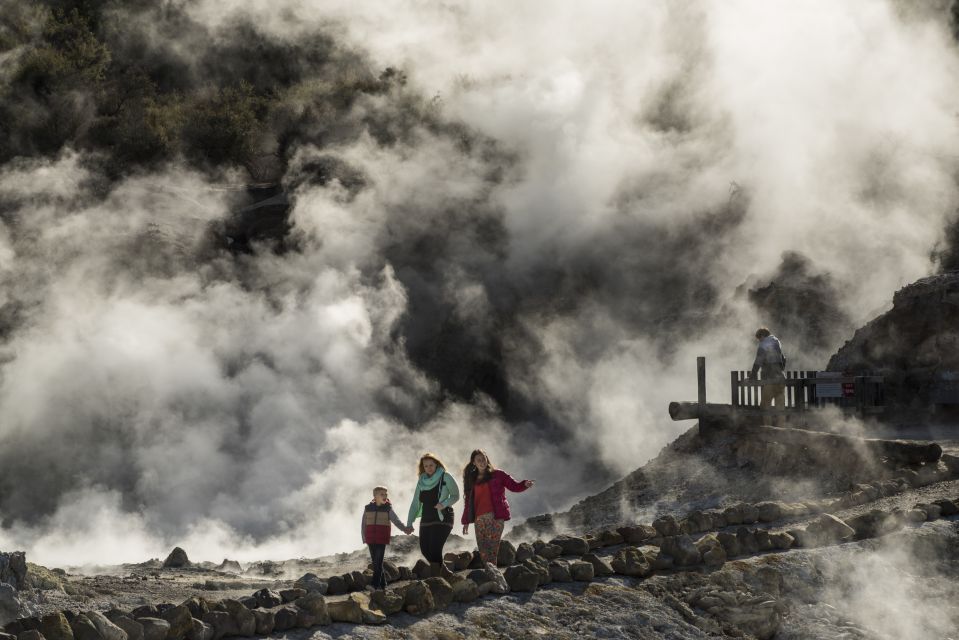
(806,389)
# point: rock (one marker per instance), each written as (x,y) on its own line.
(666,526)
(153,628)
(291,595)
(915,515)
(230,566)
(177,559)
(521,578)
(828,529)
(145,611)
(31,634)
(629,561)
(933,511)
(442,592)
(750,514)
(248,601)
(83,629)
(222,622)
(549,551)
(108,630)
(571,545)
(180,619)
(761,537)
(682,549)
(197,606)
(610,538)
(387,601)
(133,628)
(406,573)
(637,534)
(284,618)
(336,586)
(368,615)
(9,603)
(734,514)
(417,598)
(422,569)
(201,631)
(314,604)
(781,540)
(55,626)
(268,598)
(390,571)
(348,581)
(771,511)
(524,551)
(951,463)
(581,570)
(345,611)
(747,540)
(730,542)
(600,566)
(539,566)
(946,507)
(697,521)
(659,560)
(312,583)
(13,569)
(506,555)
(868,525)
(243,616)
(360,580)
(465,591)
(559,571)
(265,621)
(711,550)
(461,560)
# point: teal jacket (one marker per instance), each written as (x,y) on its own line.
(449,494)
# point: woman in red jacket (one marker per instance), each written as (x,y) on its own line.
(486,506)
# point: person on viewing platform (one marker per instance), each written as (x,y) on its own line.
(771,365)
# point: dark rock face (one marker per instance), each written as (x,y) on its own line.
(177,559)
(913,345)
(13,568)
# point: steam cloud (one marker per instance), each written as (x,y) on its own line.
(523,249)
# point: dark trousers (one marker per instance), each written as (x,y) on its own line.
(432,539)
(377,551)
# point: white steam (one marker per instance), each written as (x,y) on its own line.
(242,421)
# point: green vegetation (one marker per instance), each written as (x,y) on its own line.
(141,84)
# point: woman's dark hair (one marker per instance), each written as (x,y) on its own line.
(471,473)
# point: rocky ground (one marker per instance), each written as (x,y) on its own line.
(718,536)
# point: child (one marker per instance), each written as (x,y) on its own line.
(375,530)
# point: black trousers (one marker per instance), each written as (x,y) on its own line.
(432,539)
(377,551)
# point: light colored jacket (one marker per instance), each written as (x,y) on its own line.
(449,494)
(769,358)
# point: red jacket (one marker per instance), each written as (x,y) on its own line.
(499,482)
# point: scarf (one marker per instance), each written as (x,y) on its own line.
(425,483)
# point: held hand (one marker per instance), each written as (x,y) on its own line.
(528,483)
(409,531)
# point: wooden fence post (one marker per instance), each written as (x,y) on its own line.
(701,380)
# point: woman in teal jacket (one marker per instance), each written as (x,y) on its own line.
(433,500)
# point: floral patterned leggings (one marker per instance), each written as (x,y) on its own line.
(489,530)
